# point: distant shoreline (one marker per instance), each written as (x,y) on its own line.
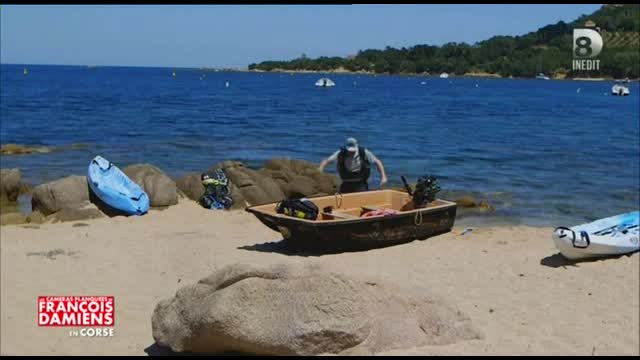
(469,74)
(339,71)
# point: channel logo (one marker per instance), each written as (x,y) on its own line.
(80,311)
(587,44)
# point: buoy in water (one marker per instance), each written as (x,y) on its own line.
(173,74)
(226,84)
(24,72)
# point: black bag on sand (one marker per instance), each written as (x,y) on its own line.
(216,194)
(300,208)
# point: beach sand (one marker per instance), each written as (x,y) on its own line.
(512,283)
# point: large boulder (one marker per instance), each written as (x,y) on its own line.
(296,310)
(325,183)
(69,192)
(255,188)
(300,186)
(300,178)
(191,186)
(162,191)
(11,186)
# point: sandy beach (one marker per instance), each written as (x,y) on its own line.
(518,291)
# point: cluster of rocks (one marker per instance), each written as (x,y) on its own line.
(469,204)
(277,180)
(70,198)
(302,310)
(19,149)
(16,149)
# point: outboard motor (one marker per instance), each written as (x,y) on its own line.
(425,192)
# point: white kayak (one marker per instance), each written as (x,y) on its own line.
(615,235)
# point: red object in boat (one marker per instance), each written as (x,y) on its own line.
(380,212)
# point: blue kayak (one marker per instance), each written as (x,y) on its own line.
(115,189)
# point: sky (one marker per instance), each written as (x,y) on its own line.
(237,35)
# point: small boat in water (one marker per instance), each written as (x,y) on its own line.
(542,76)
(24,71)
(618,89)
(325,82)
(615,235)
(444,76)
(343,222)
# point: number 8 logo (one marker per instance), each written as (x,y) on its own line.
(587,43)
(583,47)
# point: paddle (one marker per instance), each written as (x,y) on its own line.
(404,181)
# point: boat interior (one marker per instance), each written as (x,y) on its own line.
(344,207)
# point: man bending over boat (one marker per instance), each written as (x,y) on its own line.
(354,167)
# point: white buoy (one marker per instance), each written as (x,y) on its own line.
(578,91)
(423,83)
(476,85)
(226,84)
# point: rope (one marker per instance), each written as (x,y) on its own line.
(338,203)
(418,216)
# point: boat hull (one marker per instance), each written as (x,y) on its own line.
(115,189)
(615,235)
(361,233)
(620,90)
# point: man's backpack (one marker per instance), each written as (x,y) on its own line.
(300,208)
(216,194)
(365,166)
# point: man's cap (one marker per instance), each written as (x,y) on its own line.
(351,144)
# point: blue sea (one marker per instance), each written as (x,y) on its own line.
(544,153)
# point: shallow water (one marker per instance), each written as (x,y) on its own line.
(540,151)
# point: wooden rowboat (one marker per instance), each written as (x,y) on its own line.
(343,226)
